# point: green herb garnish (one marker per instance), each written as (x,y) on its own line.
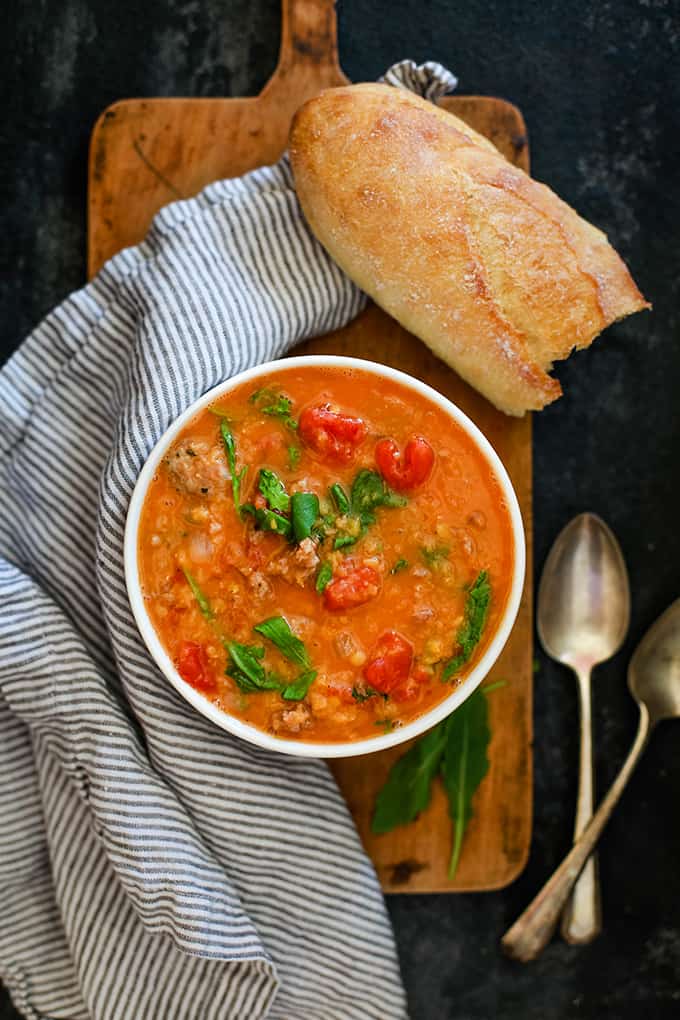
(201,598)
(385,724)
(433,556)
(268,520)
(340,498)
(237,478)
(362,694)
(341,541)
(467,638)
(323,577)
(294,454)
(277,630)
(246,668)
(304,511)
(275,405)
(399,566)
(456,749)
(299,688)
(369,492)
(273,490)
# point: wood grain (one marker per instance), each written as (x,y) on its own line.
(147,152)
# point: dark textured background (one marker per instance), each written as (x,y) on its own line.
(599,85)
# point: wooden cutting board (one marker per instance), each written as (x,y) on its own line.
(145,153)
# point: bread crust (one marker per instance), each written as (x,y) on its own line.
(495,273)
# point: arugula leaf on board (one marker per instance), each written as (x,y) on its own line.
(465,764)
(467,638)
(275,405)
(457,750)
(237,478)
(323,577)
(201,598)
(277,630)
(273,490)
(407,790)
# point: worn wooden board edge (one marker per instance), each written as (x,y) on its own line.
(460,105)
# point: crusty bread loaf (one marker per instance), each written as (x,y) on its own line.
(491,269)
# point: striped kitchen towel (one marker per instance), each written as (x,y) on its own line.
(151,865)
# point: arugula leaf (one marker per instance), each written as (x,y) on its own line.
(294,454)
(340,498)
(369,491)
(298,689)
(456,748)
(304,511)
(275,405)
(407,790)
(268,520)
(476,609)
(362,694)
(323,577)
(400,565)
(434,555)
(237,478)
(465,763)
(247,670)
(203,601)
(273,490)
(277,630)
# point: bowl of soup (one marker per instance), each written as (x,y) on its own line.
(324,556)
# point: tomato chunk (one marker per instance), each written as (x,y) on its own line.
(356,585)
(192,664)
(334,435)
(390,662)
(407,470)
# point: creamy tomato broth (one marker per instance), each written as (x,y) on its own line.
(323,553)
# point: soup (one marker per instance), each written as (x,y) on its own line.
(324,553)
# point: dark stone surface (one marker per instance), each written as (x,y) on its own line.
(599,85)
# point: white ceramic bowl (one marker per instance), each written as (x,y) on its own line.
(311,749)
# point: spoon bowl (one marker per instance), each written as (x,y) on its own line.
(654,670)
(584,596)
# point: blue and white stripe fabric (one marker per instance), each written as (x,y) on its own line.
(151,865)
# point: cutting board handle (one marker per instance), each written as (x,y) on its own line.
(309,43)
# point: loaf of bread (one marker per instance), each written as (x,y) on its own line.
(492,270)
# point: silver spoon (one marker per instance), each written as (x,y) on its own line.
(583,616)
(654,682)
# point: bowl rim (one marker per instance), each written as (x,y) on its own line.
(240,728)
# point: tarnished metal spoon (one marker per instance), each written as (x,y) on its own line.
(583,616)
(654,682)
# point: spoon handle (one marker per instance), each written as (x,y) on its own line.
(532,931)
(582,917)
